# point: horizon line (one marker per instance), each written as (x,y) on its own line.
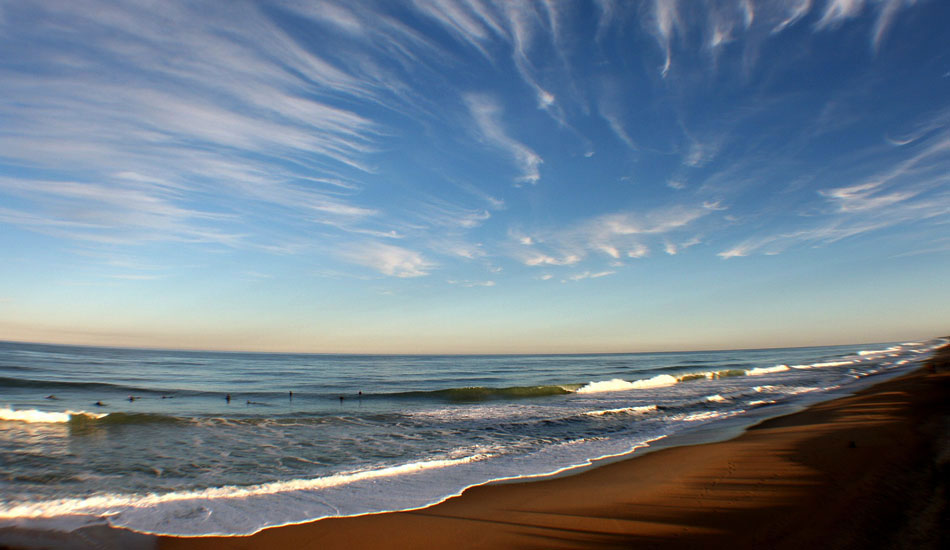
(377,354)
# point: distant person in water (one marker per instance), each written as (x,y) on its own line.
(291,393)
(51,397)
(341,399)
(100,404)
(227,398)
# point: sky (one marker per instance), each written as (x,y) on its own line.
(435,176)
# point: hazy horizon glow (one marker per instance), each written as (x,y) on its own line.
(466,176)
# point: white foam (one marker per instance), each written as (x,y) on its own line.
(623,410)
(34,416)
(767,370)
(715,398)
(831,364)
(825,364)
(617,384)
(695,417)
(109,504)
(891,349)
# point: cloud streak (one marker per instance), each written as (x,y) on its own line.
(197,110)
(486,114)
(612,236)
(389,260)
(912,190)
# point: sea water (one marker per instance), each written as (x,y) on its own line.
(200,443)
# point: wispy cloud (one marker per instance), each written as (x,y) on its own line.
(471,284)
(912,190)
(665,21)
(156,118)
(517,23)
(536,259)
(389,260)
(638,251)
(456,247)
(836,11)
(863,197)
(471,22)
(615,236)
(610,108)
(885,17)
(676,25)
(795,10)
(928,167)
(110,213)
(486,114)
(441,213)
(589,275)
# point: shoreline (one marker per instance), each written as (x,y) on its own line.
(749,489)
(865,470)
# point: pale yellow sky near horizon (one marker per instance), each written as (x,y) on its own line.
(289,341)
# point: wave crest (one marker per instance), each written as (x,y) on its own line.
(33,416)
(618,384)
(82,418)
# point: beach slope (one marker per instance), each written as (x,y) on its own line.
(864,471)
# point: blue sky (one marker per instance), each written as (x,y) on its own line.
(438,176)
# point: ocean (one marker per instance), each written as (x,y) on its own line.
(201,443)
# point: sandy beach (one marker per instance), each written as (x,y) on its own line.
(864,471)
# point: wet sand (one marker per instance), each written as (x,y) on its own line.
(865,471)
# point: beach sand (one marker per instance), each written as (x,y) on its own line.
(864,471)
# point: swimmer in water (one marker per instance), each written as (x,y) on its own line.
(227,398)
(100,404)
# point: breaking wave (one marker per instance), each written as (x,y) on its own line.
(80,418)
(33,416)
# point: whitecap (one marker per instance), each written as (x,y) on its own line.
(34,416)
(767,370)
(617,384)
